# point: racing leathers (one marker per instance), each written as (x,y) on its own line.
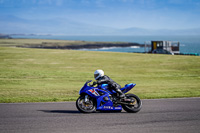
(111,84)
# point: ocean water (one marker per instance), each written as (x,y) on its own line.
(188,44)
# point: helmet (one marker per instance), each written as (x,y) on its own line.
(98,74)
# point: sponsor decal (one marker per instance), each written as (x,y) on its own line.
(117,107)
(107,107)
(94,92)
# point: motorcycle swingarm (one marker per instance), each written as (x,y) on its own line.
(126,102)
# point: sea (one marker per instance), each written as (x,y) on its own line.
(188,44)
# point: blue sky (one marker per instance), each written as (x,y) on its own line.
(150,14)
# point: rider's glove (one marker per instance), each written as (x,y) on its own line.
(94,83)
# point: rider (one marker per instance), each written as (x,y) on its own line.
(103,79)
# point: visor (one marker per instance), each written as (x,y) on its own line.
(96,75)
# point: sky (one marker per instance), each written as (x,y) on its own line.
(121,14)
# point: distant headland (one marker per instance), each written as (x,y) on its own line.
(64,44)
(4,36)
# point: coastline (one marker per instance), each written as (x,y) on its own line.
(64,44)
(84,46)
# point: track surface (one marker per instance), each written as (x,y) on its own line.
(165,115)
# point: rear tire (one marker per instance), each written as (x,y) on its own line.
(83,107)
(133,107)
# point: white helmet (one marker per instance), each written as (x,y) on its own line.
(98,74)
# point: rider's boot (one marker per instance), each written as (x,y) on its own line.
(120,93)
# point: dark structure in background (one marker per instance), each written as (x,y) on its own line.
(163,47)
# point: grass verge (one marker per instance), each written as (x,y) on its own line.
(40,75)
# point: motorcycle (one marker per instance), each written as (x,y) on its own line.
(101,98)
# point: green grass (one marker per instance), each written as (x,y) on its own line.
(40,75)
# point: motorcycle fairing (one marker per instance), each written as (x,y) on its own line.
(94,92)
(99,95)
(127,87)
(105,87)
(105,105)
(109,106)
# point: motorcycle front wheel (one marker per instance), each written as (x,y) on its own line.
(85,107)
(133,107)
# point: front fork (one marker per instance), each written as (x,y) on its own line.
(86,100)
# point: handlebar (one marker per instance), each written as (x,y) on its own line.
(88,83)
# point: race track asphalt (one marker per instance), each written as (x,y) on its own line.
(157,116)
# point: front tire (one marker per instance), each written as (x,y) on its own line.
(84,107)
(133,107)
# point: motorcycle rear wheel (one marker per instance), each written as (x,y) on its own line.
(133,107)
(84,107)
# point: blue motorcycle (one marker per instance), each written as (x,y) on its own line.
(101,98)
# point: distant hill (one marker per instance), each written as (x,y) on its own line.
(5,36)
(140,31)
(15,25)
